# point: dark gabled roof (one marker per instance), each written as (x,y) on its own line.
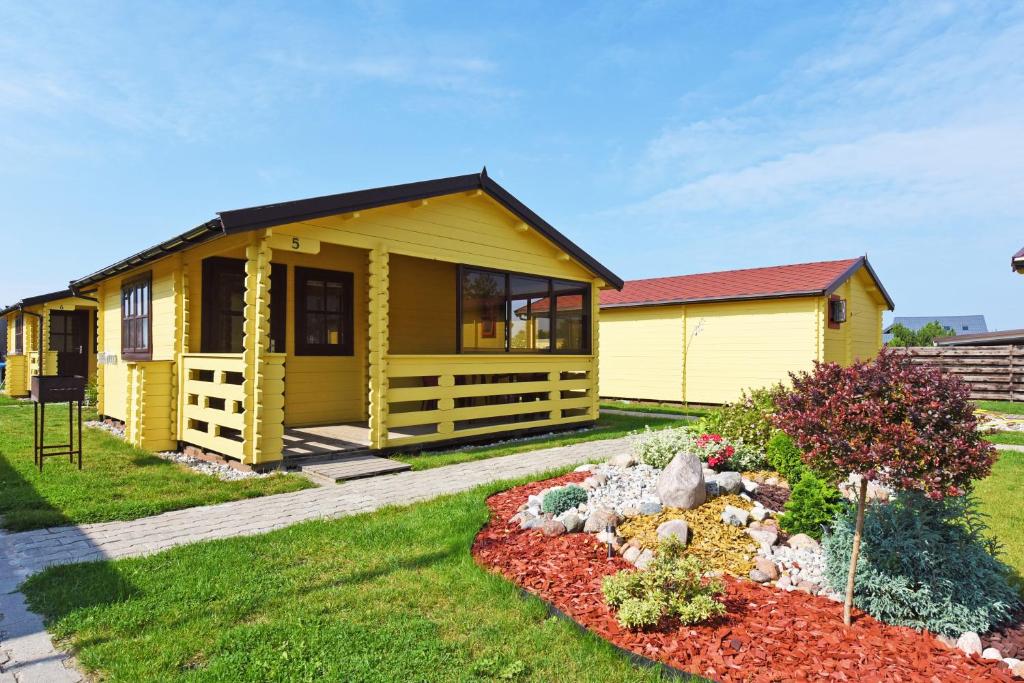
(983,339)
(1017,261)
(774,282)
(38,299)
(269,215)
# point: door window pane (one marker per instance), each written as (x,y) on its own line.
(484,300)
(572,317)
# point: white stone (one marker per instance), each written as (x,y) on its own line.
(1010,661)
(735,516)
(750,486)
(585,468)
(622,460)
(803,542)
(758,514)
(644,559)
(632,552)
(676,528)
(991,653)
(681,484)
(729,482)
(969,643)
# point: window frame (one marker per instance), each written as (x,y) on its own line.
(19,335)
(833,323)
(586,311)
(212,266)
(347,315)
(138,353)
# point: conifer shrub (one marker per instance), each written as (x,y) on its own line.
(671,587)
(566,498)
(785,457)
(812,503)
(924,563)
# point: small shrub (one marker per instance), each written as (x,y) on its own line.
(566,498)
(91,393)
(748,419)
(924,564)
(673,586)
(811,503)
(785,457)
(657,448)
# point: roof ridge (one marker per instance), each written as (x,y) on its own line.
(744,270)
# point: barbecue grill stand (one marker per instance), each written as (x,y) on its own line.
(55,389)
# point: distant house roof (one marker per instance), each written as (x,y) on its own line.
(270,215)
(775,282)
(983,339)
(960,324)
(1017,261)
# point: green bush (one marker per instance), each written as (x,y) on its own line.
(673,586)
(566,498)
(657,448)
(746,420)
(812,502)
(785,457)
(924,564)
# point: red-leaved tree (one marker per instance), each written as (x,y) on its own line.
(906,426)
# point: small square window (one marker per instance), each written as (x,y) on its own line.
(836,312)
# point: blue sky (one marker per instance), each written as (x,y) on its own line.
(663,137)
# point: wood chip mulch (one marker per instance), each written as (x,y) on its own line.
(767,635)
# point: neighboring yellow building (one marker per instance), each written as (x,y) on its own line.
(64,324)
(386,310)
(705,338)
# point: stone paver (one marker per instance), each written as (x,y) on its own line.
(26,651)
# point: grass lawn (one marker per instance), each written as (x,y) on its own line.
(607,427)
(6,400)
(999,496)
(1015,438)
(392,595)
(648,407)
(1013,407)
(117,481)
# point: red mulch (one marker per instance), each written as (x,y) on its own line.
(767,635)
(1008,640)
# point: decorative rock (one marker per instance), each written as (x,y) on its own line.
(758,514)
(630,511)
(1018,670)
(969,643)
(601,478)
(991,653)
(735,516)
(1011,662)
(536,501)
(644,559)
(767,567)
(622,460)
(572,521)
(764,536)
(785,583)
(772,481)
(948,641)
(711,489)
(750,486)
(675,527)
(681,483)
(803,542)
(552,527)
(599,519)
(709,474)
(650,508)
(589,483)
(532,523)
(729,482)
(808,587)
(759,576)
(584,468)
(631,553)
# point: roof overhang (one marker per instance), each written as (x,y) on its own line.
(982,338)
(40,299)
(1017,262)
(270,215)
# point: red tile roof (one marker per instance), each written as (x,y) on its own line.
(802,279)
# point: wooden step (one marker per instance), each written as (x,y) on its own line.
(348,466)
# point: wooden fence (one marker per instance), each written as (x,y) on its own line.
(993,372)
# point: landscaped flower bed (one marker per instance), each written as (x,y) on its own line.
(767,634)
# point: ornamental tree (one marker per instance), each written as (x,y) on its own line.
(905,426)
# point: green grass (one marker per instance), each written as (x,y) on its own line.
(651,407)
(1000,499)
(606,427)
(1014,438)
(1012,407)
(6,400)
(117,481)
(392,595)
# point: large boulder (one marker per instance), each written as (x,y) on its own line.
(601,518)
(681,484)
(622,460)
(729,482)
(674,527)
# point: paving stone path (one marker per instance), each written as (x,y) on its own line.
(27,654)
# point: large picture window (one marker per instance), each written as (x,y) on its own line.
(19,334)
(323,312)
(224,305)
(510,312)
(136,320)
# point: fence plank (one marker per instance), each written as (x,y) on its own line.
(993,372)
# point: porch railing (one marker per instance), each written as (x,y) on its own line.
(213,401)
(433,398)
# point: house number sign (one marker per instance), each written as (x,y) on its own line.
(299,245)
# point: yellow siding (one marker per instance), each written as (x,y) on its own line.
(642,353)
(860,337)
(747,344)
(422,318)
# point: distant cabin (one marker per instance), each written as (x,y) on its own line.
(1017,262)
(704,338)
(960,324)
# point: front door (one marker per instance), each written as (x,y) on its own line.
(69,337)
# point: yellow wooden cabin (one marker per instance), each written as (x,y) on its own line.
(375,319)
(63,324)
(705,338)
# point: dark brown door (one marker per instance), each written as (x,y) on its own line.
(69,337)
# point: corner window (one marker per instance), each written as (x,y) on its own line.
(836,312)
(323,312)
(19,334)
(224,305)
(136,320)
(502,312)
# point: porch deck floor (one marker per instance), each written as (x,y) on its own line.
(338,452)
